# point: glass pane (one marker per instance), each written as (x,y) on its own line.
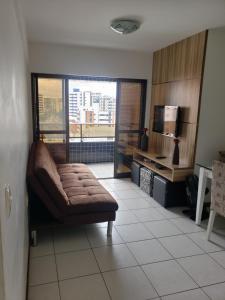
(130,105)
(75,130)
(53,138)
(92,110)
(51,104)
(98,130)
(130,98)
(74,140)
(126,144)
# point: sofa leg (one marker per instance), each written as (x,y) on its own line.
(34,238)
(109,228)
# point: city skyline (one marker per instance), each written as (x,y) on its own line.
(92,102)
(94,86)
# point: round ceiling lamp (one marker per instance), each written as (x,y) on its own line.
(123,26)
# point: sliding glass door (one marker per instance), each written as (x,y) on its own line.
(130,122)
(89,120)
(92,110)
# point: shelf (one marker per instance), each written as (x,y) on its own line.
(168,170)
(166,162)
(123,169)
(164,173)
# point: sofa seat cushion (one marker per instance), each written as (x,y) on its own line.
(73,168)
(71,183)
(89,189)
(76,177)
(77,165)
(85,193)
(90,199)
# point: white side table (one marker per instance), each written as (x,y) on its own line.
(204,173)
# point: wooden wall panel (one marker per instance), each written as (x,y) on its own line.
(184,93)
(179,61)
(176,80)
(163,145)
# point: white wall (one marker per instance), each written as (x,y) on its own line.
(76,60)
(14,142)
(211,133)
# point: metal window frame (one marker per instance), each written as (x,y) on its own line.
(66,78)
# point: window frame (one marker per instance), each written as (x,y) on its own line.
(65,77)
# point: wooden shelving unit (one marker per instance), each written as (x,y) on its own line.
(163,167)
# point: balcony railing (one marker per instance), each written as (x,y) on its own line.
(78,133)
(89,132)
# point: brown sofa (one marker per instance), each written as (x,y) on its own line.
(65,193)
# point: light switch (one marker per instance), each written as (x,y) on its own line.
(8,200)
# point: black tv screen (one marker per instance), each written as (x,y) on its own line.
(166,120)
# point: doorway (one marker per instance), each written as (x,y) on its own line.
(92,117)
(92,120)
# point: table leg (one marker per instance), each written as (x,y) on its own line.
(201,195)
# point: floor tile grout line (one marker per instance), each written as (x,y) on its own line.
(45,283)
(81,276)
(123,242)
(87,275)
(182,230)
(129,267)
(170,293)
(206,252)
(187,235)
(149,281)
(57,272)
(99,269)
(72,251)
(182,256)
(177,260)
(182,266)
(149,230)
(206,294)
(156,238)
(40,256)
(215,259)
(171,259)
(180,292)
(128,242)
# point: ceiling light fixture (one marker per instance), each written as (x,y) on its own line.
(125,26)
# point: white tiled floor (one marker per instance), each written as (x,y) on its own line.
(154,253)
(102,170)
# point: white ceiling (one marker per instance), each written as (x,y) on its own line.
(86,22)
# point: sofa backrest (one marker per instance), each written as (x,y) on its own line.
(45,171)
(35,188)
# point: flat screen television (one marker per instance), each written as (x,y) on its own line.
(166,120)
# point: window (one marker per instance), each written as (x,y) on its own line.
(50,108)
(92,110)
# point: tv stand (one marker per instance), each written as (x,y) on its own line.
(160,157)
(162,166)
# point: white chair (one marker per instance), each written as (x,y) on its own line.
(217,194)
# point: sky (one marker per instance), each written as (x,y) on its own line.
(105,87)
